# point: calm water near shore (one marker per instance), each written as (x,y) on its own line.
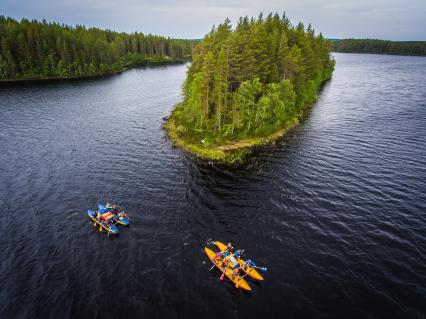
(336,210)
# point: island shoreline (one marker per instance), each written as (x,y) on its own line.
(230,152)
(84,77)
(234,152)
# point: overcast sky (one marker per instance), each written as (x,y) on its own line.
(383,19)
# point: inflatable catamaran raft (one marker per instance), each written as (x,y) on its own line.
(107,217)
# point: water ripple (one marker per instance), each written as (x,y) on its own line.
(335,210)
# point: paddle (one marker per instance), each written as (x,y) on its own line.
(261,268)
(241,253)
(222,276)
(211,242)
(215,263)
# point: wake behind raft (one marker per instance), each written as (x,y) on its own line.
(107,217)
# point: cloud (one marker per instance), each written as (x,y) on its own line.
(388,19)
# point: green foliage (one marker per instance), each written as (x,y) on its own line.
(251,81)
(33,49)
(380,46)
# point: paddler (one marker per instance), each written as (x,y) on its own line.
(228,250)
(248,263)
(225,263)
(236,267)
(235,271)
(218,256)
(122,214)
(238,253)
(229,247)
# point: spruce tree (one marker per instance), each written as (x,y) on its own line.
(221,86)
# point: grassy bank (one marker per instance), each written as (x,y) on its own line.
(235,150)
(228,152)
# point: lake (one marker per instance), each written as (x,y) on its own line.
(336,210)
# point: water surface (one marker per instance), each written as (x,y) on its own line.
(336,210)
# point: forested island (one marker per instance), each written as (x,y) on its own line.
(247,86)
(380,46)
(41,50)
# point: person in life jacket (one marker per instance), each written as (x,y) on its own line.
(122,214)
(229,247)
(248,263)
(228,250)
(238,253)
(235,271)
(225,263)
(236,266)
(218,256)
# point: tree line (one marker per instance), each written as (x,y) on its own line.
(380,46)
(251,80)
(34,49)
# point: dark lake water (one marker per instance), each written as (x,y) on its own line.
(336,210)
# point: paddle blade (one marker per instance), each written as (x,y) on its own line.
(100,229)
(222,277)
(211,242)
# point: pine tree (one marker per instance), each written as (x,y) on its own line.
(251,80)
(282,56)
(221,86)
(207,78)
(32,49)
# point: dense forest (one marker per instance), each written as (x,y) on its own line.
(250,81)
(33,49)
(380,46)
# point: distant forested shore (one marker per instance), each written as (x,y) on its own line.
(247,85)
(41,50)
(380,46)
